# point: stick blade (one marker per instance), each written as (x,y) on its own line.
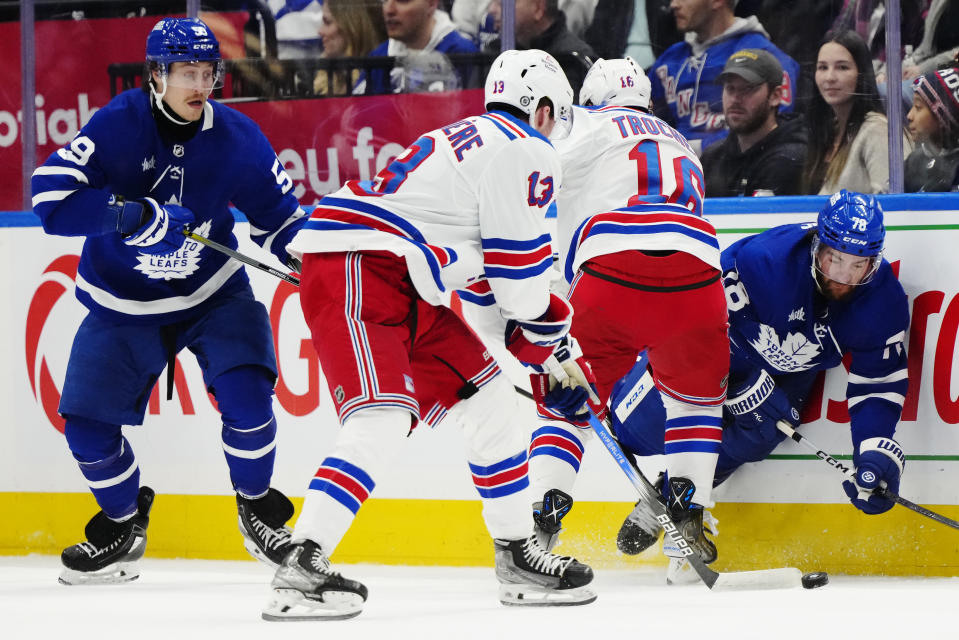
(785,578)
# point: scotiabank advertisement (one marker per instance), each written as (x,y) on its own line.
(179,447)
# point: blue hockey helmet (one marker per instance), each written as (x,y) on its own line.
(184,40)
(850,223)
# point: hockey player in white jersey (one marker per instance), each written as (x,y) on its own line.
(460,209)
(643,268)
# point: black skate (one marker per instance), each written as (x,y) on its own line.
(640,529)
(304,588)
(111,551)
(547,516)
(693,522)
(531,576)
(263,525)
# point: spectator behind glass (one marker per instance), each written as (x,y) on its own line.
(350,28)
(934,125)
(473,18)
(848,130)
(413,26)
(297,22)
(763,154)
(540,24)
(685,91)
(641,29)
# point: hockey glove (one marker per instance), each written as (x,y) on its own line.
(533,341)
(758,403)
(879,464)
(151,228)
(564,387)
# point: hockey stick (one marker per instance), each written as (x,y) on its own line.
(236,255)
(784,578)
(785,427)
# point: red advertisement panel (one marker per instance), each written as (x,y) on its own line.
(322,143)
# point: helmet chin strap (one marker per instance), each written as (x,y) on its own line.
(158,99)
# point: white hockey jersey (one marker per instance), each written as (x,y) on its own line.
(630,181)
(464,205)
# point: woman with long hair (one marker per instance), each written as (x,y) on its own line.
(350,28)
(848,129)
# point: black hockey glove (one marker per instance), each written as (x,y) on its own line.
(758,404)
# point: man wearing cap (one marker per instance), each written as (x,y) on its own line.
(765,151)
(684,89)
(934,125)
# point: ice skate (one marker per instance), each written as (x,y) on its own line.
(531,576)
(110,553)
(640,530)
(547,517)
(304,588)
(263,525)
(693,522)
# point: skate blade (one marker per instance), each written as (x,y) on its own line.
(528,595)
(290,605)
(113,574)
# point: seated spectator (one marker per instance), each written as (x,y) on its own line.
(641,29)
(297,22)
(934,125)
(868,19)
(685,92)
(350,28)
(473,18)
(763,154)
(540,24)
(939,44)
(412,25)
(848,130)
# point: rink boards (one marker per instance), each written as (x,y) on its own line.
(787,510)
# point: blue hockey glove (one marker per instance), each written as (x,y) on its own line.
(880,463)
(564,387)
(758,403)
(151,228)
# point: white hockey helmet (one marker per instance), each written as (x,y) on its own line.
(616,82)
(521,78)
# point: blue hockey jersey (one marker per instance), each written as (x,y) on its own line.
(121,152)
(685,91)
(779,322)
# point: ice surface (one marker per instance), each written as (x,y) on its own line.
(185,599)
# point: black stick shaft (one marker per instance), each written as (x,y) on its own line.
(851,474)
(236,255)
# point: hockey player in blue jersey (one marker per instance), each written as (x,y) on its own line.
(148,165)
(799,296)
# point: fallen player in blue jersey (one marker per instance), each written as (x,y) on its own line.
(799,297)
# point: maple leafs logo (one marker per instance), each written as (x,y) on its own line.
(794,353)
(177,265)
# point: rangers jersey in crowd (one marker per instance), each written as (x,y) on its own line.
(684,87)
(452,206)
(121,152)
(614,151)
(779,322)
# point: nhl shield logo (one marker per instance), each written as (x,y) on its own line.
(338,394)
(178,150)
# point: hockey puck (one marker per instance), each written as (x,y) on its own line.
(815,579)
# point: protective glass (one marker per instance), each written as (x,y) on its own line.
(843,268)
(202,76)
